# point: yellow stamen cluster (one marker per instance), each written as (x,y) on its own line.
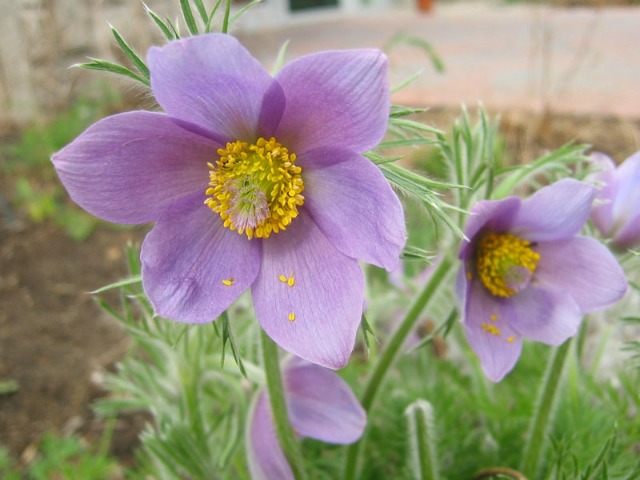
(255,188)
(498,256)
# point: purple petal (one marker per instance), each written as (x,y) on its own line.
(186,257)
(336,98)
(129,168)
(629,235)
(492,215)
(211,81)
(557,211)
(321,405)
(317,317)
(271,110)
(543,315)
(266,458)
(489,332)
(583,268)
(602,210)
(626,206)
(355,207)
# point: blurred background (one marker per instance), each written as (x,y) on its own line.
(555,72)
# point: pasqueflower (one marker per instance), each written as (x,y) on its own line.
(616,213)
(253,181)
(320,405)
(526,273)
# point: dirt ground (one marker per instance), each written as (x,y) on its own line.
(55,342)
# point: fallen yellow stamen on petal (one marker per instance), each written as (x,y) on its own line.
(492,329)
(291,281)
(227,282)
(292,317)
(494,317)
(511,339)
(282,278)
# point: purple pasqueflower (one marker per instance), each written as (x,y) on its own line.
(253,181)
(320,405)
(616,213)
(526,273)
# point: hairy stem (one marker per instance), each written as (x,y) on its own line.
(288,443)
(389,356)
(543,413)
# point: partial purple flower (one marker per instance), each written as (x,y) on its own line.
(616,213)
(253,181)
(526,273)
(320,405)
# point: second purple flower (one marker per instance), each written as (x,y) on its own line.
(527,273)
(617,213)
(253,181)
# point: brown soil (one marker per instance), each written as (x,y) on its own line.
(55,341)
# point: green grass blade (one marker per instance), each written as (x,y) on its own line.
(189,19)
(129,52)
(104,66)
(202,11)
(166,31)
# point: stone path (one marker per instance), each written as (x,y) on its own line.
(529,57)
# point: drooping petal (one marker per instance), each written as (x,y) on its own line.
(602,210)
(308,296)
(489,332)
(543,315)
(265,457)
(557,211)
(629,234)
(355,207)
(494,215)
(211,81)
(192,267)
(321,405)
(583,268)
(626,205)
(129,168)
(335,98)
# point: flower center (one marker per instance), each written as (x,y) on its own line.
(505,263)
(255,188)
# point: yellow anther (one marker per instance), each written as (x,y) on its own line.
(492,329)
(505,263)
(292,317)
(511,339)
(227,282)
(255,188)
(494,317)
(288,280)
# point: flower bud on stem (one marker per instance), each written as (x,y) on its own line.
(390,354)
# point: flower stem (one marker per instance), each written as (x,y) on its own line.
(389,356)
(288,443)
(543,414)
